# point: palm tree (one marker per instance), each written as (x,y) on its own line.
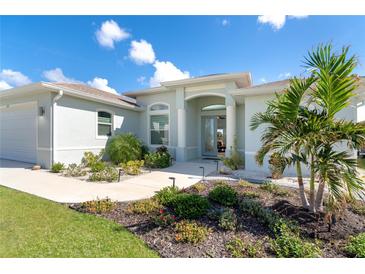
(303,128)
(282,118)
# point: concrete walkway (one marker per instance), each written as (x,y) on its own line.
(62,189)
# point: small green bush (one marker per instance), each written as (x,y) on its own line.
(123,148)
(239,249)
(199,187)
(224,195)
(146,206)
(250,195)
(57,167)
(356,246)
(288,244)
(97,166)
(74,170)
(274,189)
(228,220)
(277,165)
(108,174)
(190,206)
(132,167)
(90,158)
(243,183)
(167,194)
(163,219)
(99,205)
(191,232)
(235,161)
(159,159)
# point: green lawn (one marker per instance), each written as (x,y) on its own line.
(35,227)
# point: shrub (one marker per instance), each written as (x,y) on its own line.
(250,195)
(74,170)
(123,148)
(274,189)
(190,206)
(163,218)
(191,232)
(356,246)
(238,249)
(167,194)
(90,158)
(228,220)
(108,174)
(99,205)
(224,195)
(146,206)
(277,165)
(57,167)
(235,161)
(97,166)
(132,167)
(288,244)
(159,159)
(215,213)
(199,187)
(243,183)
(264,215)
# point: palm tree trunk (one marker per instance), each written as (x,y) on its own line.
(302,194)
(319,198)
(312,186)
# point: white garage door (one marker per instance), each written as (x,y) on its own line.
(18,138)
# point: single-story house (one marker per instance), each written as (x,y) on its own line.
(195,118)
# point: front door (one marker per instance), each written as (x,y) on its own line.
(209,136)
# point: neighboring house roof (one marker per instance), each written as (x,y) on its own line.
(96,92)
(77,90)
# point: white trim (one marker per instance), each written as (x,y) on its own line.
(158,112)
(104,137)
(204,94)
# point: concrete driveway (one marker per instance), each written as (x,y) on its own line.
(55,187)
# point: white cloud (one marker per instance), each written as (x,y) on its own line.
(166,71)
(4,85)
(10,78)
(110,33)
(277,21)
(101,83)
(284,75)
(263,80)
(225,22)
(56,75)
(141,80)
(141,52)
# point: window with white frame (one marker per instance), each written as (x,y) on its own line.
(159,124)
(104,123)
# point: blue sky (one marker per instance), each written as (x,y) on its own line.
(133,52)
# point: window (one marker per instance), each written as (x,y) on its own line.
(159,124)
(104,123)
(159,107)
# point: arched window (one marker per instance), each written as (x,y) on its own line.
(214,107)
(157,107)
(104,123)
(159,124)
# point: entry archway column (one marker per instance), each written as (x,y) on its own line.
(230,123)
(181,125)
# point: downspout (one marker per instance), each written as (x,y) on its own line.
(54,100)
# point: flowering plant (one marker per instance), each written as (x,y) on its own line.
(163,218)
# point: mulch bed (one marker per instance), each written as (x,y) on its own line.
(249,229)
